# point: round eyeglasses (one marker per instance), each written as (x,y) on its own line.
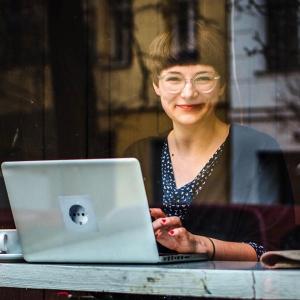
(175,83)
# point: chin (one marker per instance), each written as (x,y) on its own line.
(189,121)
(193,119)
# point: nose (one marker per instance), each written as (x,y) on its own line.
(189,90)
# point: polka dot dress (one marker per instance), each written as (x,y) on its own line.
(177,201)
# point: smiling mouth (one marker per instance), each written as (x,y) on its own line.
(190,106)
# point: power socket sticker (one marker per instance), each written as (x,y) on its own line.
(78,213)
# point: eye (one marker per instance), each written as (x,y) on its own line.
(173,79)
(203,79)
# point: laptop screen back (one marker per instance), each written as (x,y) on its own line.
(81,210)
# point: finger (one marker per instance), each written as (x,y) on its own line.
(171,222)
(167,240)
(177,232)
(182,240)
(158,224)
(157,213)
(166,223)
(158,234)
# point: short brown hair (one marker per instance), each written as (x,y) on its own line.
(211,49)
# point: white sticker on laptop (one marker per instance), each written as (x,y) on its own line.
(78,213)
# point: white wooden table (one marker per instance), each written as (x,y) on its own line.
(203,279)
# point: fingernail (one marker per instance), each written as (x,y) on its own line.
(171,232)
(163,221)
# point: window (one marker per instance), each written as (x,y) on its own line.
(282,20)
(117,50)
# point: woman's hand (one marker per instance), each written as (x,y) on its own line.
(170,233)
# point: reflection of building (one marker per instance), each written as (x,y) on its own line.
(81,87)
(265,72)
(265,67)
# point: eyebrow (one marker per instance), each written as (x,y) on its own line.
(200,72)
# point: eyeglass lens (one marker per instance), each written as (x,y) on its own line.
(176,82)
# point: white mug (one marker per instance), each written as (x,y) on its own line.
(9,242)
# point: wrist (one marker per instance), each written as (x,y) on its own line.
(205,245)
(213,249)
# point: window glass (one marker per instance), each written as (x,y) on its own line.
(78,81)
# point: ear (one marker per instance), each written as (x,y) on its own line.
(156,89)
(222,90)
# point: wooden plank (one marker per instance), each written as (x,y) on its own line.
(278,284)
(204,279)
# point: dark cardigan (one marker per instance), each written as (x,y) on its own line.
(251,170)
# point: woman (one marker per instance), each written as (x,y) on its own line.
(190,164)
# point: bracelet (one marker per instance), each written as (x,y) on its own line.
(214,249)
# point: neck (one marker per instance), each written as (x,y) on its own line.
(199,137)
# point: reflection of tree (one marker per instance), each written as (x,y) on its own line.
(250,7)
(262,49)
(280,48)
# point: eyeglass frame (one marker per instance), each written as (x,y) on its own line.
(192,82)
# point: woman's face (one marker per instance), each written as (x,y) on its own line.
(194,100)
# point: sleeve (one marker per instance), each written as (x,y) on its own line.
(258,170)
(274,177)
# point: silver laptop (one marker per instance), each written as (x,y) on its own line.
(88,211)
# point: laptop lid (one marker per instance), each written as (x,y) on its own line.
(93,210)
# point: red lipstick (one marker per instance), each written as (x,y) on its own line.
(189,107)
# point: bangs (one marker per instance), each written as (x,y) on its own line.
(164,52)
